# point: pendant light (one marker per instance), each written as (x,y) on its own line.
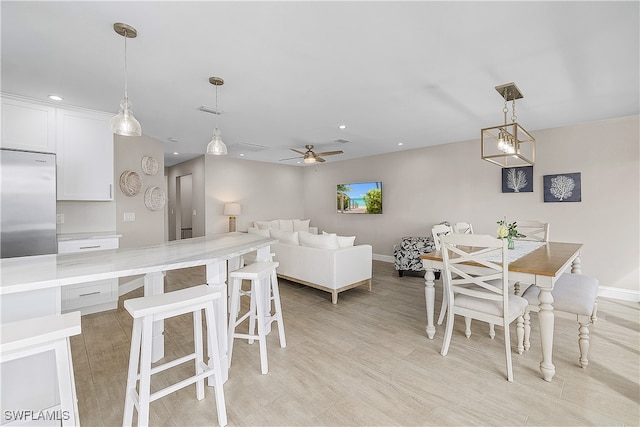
(216,147)
(508,145)
(124,123)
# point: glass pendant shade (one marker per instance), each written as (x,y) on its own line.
(124,123)
(216,147)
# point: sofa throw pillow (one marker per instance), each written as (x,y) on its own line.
(301,224)
(344,241)
(285,225)
(320,241)
(265,225)
(285,236)
(261,232)
(262,225)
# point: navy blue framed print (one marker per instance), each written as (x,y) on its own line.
(565,187)
(517,180)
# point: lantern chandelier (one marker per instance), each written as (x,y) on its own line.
(216,146)
(124,123)
(508,145)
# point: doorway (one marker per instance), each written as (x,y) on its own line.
(184,207)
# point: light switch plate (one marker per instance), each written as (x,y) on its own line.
(129,216)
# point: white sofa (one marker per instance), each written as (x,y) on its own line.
(327,262)
(286,225)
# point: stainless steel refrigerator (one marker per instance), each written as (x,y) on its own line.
(27,203)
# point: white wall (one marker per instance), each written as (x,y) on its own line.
(265,191)
(450,182)
(148,227)
(86,217)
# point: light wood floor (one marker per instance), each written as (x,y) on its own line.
(367,362)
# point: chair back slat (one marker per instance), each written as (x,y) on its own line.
(463,228)
(534,231)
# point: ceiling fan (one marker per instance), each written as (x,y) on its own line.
(310,156)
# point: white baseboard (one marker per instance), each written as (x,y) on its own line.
(385,258)
(603,291)
(619,293)
(131,285)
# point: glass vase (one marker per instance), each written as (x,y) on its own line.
(510,243)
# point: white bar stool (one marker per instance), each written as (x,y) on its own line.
(264,289)
(145,311)
(33,336)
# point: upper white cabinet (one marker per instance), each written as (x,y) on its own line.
(27,126)
(84,155)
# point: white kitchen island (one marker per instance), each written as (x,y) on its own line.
(31,287)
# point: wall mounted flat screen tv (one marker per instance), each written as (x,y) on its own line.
(359,198)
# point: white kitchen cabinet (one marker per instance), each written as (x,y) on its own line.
(84,148)
(28,126)
(91,297)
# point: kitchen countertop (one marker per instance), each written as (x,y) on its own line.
(29,273)
(90,235)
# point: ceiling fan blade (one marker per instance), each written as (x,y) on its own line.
(320,159)
(290,158)
(299,152)
(330,153)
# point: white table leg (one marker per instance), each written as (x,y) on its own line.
(430,296)
(216,272)
(547,321)
(576,265)
(154,285)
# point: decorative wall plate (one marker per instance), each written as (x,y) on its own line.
(149,165)
(130,183)
(154,198)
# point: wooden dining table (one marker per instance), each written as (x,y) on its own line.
(541,267)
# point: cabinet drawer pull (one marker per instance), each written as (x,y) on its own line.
(90,293)
(89,247)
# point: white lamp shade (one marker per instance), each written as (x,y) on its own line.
(232,209)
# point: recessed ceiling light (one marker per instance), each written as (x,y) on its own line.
(400,143)
(175,154)
(241,154)
(342,126)
(55,97)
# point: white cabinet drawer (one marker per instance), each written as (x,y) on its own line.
(87,294)
(90,297)
(86,245)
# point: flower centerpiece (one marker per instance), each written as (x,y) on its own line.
(508,231)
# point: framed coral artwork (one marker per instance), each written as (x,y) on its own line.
(517,180)
(565,187)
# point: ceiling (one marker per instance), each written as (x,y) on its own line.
(416,73)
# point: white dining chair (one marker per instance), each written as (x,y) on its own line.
(463,228)
(479,291)
(440,230)
(535,231)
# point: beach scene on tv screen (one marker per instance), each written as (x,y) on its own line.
(359,198)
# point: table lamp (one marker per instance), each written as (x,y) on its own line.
(232,210)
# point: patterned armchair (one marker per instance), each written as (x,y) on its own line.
(407,253)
